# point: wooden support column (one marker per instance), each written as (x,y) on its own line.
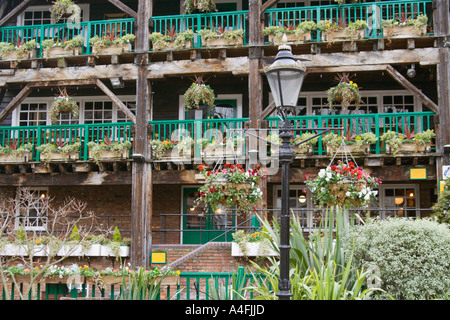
(141,208)
(442,31)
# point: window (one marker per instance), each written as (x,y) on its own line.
(400,201)
(34,111)
(31,210)
(37,15)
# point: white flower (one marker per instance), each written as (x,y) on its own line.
(322,173)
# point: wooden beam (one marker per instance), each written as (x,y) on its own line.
(17,10)
(3,8)
(116,100)
(16,101)
(119,4)
(268,4)
(413,89)
(268,110)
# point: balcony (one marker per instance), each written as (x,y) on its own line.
(218,131)
(288,18)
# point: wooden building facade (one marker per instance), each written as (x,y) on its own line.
(136,95)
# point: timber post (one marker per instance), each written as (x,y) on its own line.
(141,205)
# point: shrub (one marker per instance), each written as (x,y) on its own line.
(412,256)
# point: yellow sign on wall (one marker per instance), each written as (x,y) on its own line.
(418,173)
(158,257)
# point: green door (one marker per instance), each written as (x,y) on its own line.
(200,228)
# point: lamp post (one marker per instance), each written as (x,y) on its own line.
(285,77)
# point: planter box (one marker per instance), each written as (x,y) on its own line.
(341,35)
(291,38)
(303,149)
(222,42)
(113,49)
(61,52)
(13,250)
(404,32)
(351,148)
(124,251)
(168,281)
(67,250)
(94,251)
(76,278)
(14,55)
(23,157)
(171,46)
(108,280)
(409,147)
(57,156)
(109,155)
(252,249)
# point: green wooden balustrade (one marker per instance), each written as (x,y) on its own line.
(218,129)
(372,12)
(193,286)
(377,123)
(76,133)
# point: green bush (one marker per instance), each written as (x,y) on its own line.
(412,257)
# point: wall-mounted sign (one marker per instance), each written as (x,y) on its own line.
(158,257)
(418,173)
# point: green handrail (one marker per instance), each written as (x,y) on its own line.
(360,123)
(81,133)
(62,32)
(371,12)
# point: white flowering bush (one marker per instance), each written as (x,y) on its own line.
(411,257)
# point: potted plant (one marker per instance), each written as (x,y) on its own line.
(345,92)
(161,149)
(14,153)
(118,247)
(344,185)
(185,146)
(112,44)
(301,33)
(256,244)
(18,51)
(64,7)
(198,94)
(332,31)
(405,27)
(108,150)
(63,103)
(231,186)
(354,144)
(399,143)
(306,147)
(172,40)
(190,6)
(424,139)
(55,48)
(60,150)
(274,143)
(221,37)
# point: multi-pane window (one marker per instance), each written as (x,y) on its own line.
(32,114)
(400,201)
(91,110)
(36,17)
(31,211)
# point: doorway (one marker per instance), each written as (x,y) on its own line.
(200,227)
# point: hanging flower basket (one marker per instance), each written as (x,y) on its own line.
(63,103)
(231,186)
(346,92)
(343,185)
(65,7)
(199,5)
(198,93)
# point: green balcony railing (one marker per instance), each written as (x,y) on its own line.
(361,123)
(217,129)
(175,130)
(372,12)
(78,133)
(61,32)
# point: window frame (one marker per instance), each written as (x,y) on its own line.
(26,227)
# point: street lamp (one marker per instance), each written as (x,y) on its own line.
(285,77)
